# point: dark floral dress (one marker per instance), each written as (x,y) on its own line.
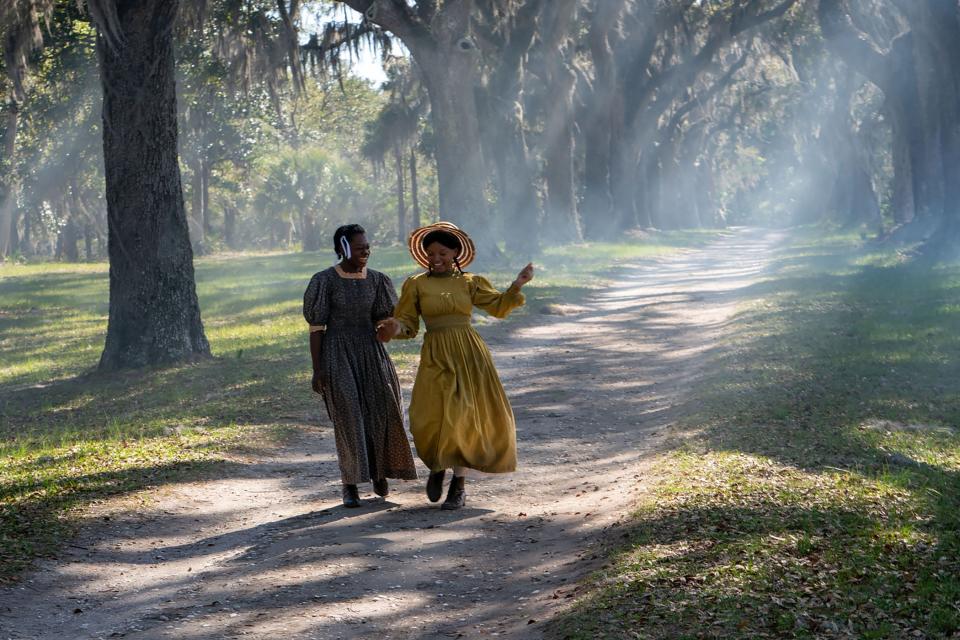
(361,390)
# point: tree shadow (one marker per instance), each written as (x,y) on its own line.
(31,514)
(832,369)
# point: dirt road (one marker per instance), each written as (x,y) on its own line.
(272,554)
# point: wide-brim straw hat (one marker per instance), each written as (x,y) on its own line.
(415,243)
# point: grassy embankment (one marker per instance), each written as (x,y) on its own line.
(817,495)
(69,436)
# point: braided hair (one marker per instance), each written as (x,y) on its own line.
(342,238)
(447,240)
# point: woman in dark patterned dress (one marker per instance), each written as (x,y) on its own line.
(352,370)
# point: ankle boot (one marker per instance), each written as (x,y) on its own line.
(456,494)
(435,485)
(351,497)
(381,488)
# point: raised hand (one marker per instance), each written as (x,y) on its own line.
(525,276)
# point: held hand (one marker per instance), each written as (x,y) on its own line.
(387,329)
(525,276)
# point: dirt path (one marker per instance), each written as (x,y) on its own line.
(272,554)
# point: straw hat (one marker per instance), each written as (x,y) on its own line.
(415,243)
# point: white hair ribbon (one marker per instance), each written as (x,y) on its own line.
(346,247)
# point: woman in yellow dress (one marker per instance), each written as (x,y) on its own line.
(460,417)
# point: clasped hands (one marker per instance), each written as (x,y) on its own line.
(387,329)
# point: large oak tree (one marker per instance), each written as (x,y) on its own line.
(154,311)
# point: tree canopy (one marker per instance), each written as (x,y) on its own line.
(527,121)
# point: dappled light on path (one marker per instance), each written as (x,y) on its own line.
(269,552)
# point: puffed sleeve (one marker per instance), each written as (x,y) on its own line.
(316,302)
(407,311)
(497,304)
(385,298)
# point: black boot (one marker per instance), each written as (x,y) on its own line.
(381,488)
(456,495)
(351,497)
(435,485)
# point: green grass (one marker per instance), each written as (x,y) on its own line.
(817,494)
(69,435)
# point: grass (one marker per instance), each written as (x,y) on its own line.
(817,493)
(69,435)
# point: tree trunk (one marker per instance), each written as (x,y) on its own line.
(647,191)
(414,191)
(504,123)
(88,234)
(518,203)
(688,191)
(623,176)
(9,187)
(935,26)
(671,206)
(154,311)
(230,226)
(921,83)
(401,193)
(69,236)
(197,227)
(562,219)
(205,196)
(597,126)
(852,200)
(58,246)
(450,77)
(910,136)
(902,188)
(309,233)
(25,239)
(440,42)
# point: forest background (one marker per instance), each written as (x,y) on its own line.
(580,120)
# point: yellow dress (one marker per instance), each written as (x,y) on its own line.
(459,413)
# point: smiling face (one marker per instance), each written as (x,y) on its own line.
(359,252)
(440,257)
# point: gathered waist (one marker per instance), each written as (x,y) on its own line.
(452,321)
(351,327)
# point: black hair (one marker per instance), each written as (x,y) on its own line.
(348,231)
(446,239)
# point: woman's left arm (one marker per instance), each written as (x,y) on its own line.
(497,304)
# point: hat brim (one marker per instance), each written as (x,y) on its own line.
(415,244)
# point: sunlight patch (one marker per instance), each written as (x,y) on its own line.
(890,426)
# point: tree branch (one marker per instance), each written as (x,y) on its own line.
(291,39)
(698,99)
(751,21)
(669,83)
(851,44)
(427,10)
(395,17)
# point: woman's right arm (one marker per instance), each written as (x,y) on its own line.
(316,311)
(316,348)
